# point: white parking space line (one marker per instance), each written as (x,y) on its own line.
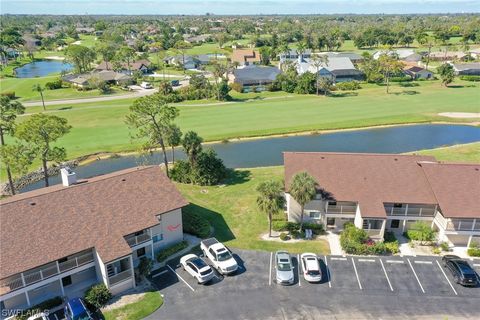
(415,274)
(395,261)
(159,274)
(366,260)
(356,273)
(423,262)
(476,264)
(181,278)
(444,274)
(270,270)
(335,258)
(386,275)
(328,273)
(298,262)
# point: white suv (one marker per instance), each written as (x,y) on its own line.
(311,267)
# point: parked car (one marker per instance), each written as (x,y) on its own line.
(146,85)
(462,272)
(39,316)
(221,258)
(311,267)
(175,83)
(283,268)
(197,268)
(76,309)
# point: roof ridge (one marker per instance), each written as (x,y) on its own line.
(358,154)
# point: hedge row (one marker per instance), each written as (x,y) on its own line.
(195,224)
(356,241)
(167,252)
(317,228)
(470,78)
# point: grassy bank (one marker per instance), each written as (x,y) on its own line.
(232,211)
(469,152)
(140,309)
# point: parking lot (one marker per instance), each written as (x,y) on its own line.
(348,282)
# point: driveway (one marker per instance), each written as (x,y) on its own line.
(352,288)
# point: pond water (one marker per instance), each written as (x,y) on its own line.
(268,152)
(41,68)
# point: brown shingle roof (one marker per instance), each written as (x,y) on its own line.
(369,179)
(456,187)
(44,225)
(245,55)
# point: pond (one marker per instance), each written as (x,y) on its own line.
(268,152)
(41,68)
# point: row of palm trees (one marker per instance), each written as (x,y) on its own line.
(271,195)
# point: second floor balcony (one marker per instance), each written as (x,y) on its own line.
(410,210)
(138,237)
(463,225)
(348,208)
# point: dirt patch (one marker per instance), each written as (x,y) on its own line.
(127,297)
(464,115)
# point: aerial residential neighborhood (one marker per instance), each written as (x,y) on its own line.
(255,160)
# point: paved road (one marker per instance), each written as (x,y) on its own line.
(136,94)
(355,288)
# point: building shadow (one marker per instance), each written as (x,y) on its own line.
(221,229)
(237,177)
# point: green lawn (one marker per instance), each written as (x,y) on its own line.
(101,127)
(232,211)
(137,310)
(23,89)
(469,152)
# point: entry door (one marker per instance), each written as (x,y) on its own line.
(395,224)
(330,222)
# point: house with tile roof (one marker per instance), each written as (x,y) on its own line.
(245,57)
(61,240)
(379,192)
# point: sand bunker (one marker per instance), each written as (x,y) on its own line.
(460,114)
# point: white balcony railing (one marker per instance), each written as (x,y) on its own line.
(136,240)
(119,277)
(374,233)
(341,209)
(463,225)
(410,211)
(29,277)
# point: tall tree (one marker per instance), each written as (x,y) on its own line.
(319,61)
(270,199)
(219,71)
(302,189)
(17,158)
(38,88)
(152,117)
(126,55)
(9,110)
(81,57)
(182,47)
(40,131)
(107,51)
(192,144)
(447,74)
(389,65)
(174,138)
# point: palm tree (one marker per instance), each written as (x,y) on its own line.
(318,61)
(38,88)
(302,189)
(270,200)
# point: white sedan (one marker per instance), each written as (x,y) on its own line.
(197,268)
(311,267)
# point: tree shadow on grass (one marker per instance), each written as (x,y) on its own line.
(459,86)
(236,177)
(343,94)
(408,84)
(406,92)
(221,229)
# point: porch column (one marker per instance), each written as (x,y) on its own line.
(151,246)
(404,223)
(61,286)
(133,271)
(28,299)
(469,241)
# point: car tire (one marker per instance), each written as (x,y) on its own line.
(219,271)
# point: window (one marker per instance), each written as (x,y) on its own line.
(330,221)
(314,215)
(67,281)
(141,252)
(157,238)
(332,203)
(397,205)
(395,224)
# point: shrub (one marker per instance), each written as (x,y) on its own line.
(317,228)
(165,253)
(57,84)
(285,226)
(356,241)
(284,236)
(208,170)
(470,78)
(145,266)
(444,246)
(98,296)
(420,231)
(350,85)
(298,234)
(41,307)
(474,249)
(436,250)
(10,94)
(194,223)
(391,243)
(400,79)
(237,87)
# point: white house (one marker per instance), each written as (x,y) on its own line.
(379,192)
(60,240)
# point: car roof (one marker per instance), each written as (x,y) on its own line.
(283,255)
(76,305)
(198,262)
(312,263)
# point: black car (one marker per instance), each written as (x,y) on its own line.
(462,272)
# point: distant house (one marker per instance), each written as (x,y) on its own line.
(467,69)
(245,57)
(448,55)
(111,77)
(197,39)
(139,65)
(85,30)
(416,72)
(337,69)
(258,76)
(354,57)
(188,62)
(293,55)
(402,54)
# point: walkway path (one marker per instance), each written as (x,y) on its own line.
(334,241)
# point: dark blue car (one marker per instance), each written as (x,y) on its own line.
(77,310)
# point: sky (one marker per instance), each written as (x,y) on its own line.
(200,7)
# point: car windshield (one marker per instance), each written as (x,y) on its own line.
(465,267)
(282,266)
(82,316)
(313,273)
(205,272)
(222,256)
